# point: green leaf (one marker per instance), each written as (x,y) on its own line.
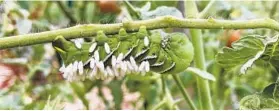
(201,73)
(79,89)
(271,91)
(267,99)
(271,53)
(245,52)
(160,11)
(250,102)
(117,93)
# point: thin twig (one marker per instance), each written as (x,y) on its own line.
(205,11)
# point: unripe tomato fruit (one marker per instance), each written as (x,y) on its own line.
(234,36)
(108,6)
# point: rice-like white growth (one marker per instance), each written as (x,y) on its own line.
(134,64)
(96,56)
(129,66)
(142,66)
(110,72)
(146,41)
(75,66)
(147,66)
(123,66)
(92,63)
(113,61)
(98,70)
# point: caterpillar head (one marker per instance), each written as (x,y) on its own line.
(180,49)
(69,51)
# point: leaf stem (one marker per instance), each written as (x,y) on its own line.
(205,11)
(132,9)
(184,93)
(89,30)
(159,105)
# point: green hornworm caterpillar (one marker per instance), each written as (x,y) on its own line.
(116,55)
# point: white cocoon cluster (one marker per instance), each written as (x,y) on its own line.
(97,70)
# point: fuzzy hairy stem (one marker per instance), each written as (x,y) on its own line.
(88,30)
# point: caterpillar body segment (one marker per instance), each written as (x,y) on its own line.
(117,55)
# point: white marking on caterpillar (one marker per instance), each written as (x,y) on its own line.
(158,64)
(107,48)
(77,44)
(146,41)
(142,52)
(80,68)
(109,55)
(149,57)
(92,47)
(169,68)
(130,50)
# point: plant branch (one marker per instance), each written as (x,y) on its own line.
(88,30)
(184,93)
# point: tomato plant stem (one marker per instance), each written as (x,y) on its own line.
(89,30)
(184,93)
(199,59)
